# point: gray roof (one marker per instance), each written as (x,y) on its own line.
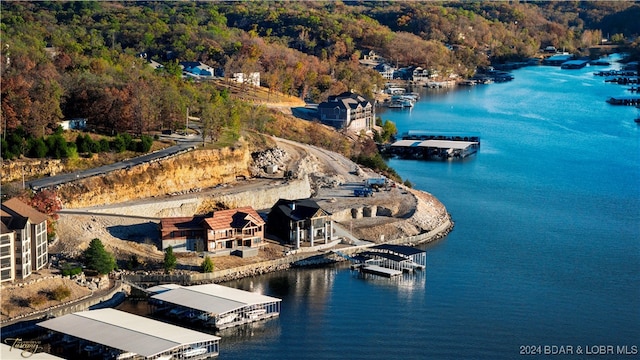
(125,331)
(213,298)
(442,144)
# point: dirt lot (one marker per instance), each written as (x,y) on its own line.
(37,295)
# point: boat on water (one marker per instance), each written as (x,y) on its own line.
(402,101)
(226,319)
(255,314)
(194,352)
(406,103)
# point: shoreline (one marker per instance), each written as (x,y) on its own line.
(404,216)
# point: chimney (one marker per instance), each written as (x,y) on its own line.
(292,205)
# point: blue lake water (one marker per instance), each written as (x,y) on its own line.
(545,249)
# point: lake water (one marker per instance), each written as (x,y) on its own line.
(544,257)
(545,251)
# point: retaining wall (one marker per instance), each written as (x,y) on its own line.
(187,206)
(28,322)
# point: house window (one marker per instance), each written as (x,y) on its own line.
(5,274)
(5,250)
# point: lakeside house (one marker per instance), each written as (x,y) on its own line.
(220,233)
(385,70)
(348,111)
(23,241)
(300,222)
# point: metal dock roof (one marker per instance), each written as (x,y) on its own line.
(213,298)
(441,144)
(127,332)
(393,257)
(400,249)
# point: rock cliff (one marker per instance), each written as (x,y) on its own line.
(185,173)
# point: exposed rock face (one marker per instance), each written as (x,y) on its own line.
(30,168)
(178,175)
(269,157)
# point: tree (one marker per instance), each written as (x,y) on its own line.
(207,265)
(169,260)
(98,259)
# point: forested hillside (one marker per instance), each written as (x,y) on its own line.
(89,59)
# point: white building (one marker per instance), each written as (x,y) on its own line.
(252,78)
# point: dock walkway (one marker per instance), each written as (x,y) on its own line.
(379,270)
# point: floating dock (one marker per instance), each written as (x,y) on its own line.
(624,100)
(623,80)
(212,305)
(379,270)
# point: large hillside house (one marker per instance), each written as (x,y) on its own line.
(23,241)
(348,111)
(221,232)
(230,229)
(300,221)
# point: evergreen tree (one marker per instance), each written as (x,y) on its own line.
(98,259)
(169,260)
(207,265)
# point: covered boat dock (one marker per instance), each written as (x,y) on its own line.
(390,260)
(114,334)
(430,149)
(213,305)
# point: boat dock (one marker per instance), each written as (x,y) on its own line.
(574,64)
(425,145)
(624,100)
(623,80)
(388,260)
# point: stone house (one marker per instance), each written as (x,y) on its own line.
(221,232)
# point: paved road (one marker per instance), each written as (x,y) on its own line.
(185,143)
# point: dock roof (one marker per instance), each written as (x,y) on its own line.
(213,298)
(400,249)
(124,331)
(441,144)
(392,257)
